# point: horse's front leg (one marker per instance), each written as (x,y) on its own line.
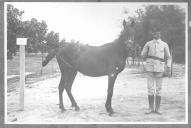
(61,89)
(111,80)
(70,79)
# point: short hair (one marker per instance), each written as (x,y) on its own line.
(156,31)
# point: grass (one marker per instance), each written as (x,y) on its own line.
(32,66)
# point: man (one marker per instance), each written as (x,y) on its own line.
(156,52)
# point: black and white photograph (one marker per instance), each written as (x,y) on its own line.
(96,62)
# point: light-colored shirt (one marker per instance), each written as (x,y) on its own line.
(159,49)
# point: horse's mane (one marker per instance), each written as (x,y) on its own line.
(119,39)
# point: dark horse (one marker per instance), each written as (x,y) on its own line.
(108,59)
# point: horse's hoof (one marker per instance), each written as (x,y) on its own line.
(158,113)
(111,113)
(63,110)
(77,108)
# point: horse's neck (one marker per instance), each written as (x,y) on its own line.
(121,47)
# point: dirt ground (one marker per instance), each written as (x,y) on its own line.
(129,100)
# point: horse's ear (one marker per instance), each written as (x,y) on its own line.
(124,23)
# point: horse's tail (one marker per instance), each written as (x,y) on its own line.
(49,57)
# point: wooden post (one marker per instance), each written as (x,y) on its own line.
(22,76)
(22,42)
(41,63)
(42,44)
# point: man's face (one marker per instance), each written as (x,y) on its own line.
(156,35)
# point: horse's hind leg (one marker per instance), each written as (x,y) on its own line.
(61,89)
(71,76)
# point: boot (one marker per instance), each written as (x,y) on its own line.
(158,100)
(151,104)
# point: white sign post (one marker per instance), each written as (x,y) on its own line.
(22,42)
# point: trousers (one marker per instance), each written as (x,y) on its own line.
(154,83)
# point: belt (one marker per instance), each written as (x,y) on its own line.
(156,58)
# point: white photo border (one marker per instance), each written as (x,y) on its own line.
(148,3)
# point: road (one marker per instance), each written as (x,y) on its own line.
(129,100)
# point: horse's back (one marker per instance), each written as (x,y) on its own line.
(92,60)
(99,60)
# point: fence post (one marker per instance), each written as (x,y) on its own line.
(42,45)
(22,42)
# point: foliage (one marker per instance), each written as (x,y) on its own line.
(35,31)
(13,28)
(52,39)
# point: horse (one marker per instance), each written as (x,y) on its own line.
(94,61)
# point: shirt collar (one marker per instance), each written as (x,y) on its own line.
(157,41)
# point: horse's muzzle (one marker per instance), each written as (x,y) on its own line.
(44,63)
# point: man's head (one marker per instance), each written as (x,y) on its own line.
(156,34)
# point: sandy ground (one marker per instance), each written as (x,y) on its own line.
(129,100)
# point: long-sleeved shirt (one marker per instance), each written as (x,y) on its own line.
(158,49)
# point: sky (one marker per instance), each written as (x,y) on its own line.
(90,23)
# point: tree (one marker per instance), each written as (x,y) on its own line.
(35,32)
(52,39)
(62,42)
(14,28)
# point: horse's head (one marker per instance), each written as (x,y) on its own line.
(128,34)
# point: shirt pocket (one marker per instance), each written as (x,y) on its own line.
(161,50)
